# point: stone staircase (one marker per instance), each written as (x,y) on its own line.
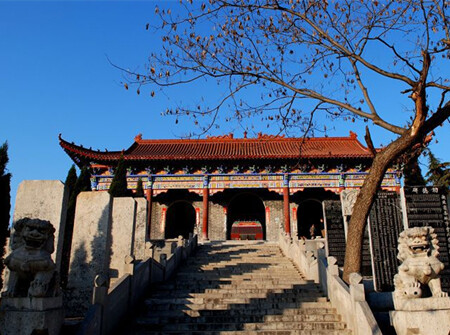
(237,288)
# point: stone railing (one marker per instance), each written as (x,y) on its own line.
(349,301)
(111,305)
(303,253)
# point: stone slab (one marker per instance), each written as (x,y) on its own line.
(45,200)
(122,234)
(435,322)
(91,249)
(140,235)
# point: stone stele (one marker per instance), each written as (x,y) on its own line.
(45,200)
(122,233)
(140,234)
(91,249)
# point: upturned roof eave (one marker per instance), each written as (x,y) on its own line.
(81,153)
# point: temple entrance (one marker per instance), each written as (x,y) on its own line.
(246,218)
(310,218)
(180,220)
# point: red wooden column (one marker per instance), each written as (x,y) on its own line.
(287,218)
(205,208)
(149,205)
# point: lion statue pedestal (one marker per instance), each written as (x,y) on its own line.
(32,301)
(421,307)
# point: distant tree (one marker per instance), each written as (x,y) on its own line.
(119,186)
(5,202)
(75,185)
(83,183)
(139,189)
(71,179)
(438,173)
(413,173)
(339,58)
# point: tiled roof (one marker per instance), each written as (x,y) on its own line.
(226,148)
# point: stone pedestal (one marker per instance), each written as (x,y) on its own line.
(25,315)
(421,316)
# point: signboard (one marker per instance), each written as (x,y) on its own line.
(386,224)
(427,206)
(334,229)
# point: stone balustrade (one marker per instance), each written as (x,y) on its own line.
(111,305)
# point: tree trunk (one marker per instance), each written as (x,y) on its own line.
(363,204)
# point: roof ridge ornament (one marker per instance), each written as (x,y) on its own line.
(262,136)
(229,136)
(138,137)
(353,135)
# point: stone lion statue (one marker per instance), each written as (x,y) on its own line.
(32,271)
(417,250)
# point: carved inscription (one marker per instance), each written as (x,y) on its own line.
(427,206)
(334,226)
(385,227)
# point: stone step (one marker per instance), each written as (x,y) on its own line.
(220,296)
(232,299)
(240,282)
(198,291)
(306,308)
(238,278)
(238,288)
(335,325)
(214,285)
(243,318)
(194,276)
(245,332)
(259,305)
(255,262)
(280,271)
(242,270)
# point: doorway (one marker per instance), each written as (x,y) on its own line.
(246,218)
(180,220)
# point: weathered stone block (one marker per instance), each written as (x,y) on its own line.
(141,228)
(45,200)
(122,233)
(91,249)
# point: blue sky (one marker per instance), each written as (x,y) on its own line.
(55,78)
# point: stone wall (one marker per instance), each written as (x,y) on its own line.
(217,222)
(156,231)
(276,219)
(198,227)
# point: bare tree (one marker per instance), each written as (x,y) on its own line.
(314,56)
